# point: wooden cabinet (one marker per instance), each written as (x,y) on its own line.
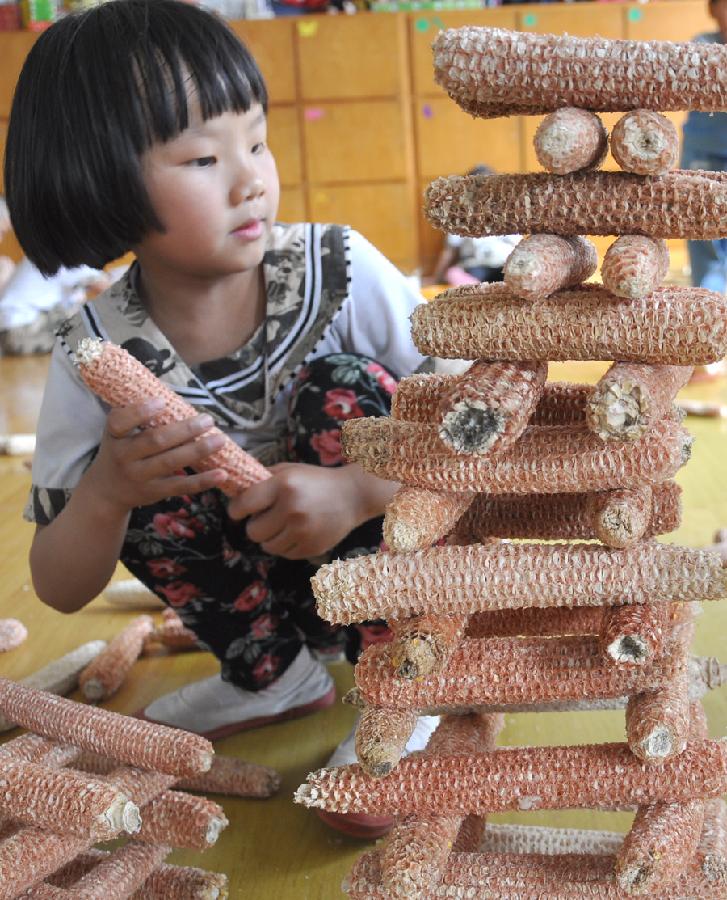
(358,125)
(351,56)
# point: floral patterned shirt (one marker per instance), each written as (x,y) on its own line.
(328,291)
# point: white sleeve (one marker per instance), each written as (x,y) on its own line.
(374,320)
(70,426)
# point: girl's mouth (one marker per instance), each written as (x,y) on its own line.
(250,231)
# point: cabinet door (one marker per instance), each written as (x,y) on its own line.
(271,43)
(424,27)
(580,20)
(15,47)
(284,141)
(292,205)
(678,20)
(450,142)
(383,213)
(351,56)
(431,240)
(354,142)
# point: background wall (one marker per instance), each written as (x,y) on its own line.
(360,128)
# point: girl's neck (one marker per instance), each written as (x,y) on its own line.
(205,319)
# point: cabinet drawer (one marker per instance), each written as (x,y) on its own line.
(351,56)
(581,20)
(15,47)
(292,205)
(284,140)
(677,20)
(351,142)
(383,213)
(271,43)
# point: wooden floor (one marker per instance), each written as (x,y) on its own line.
(274,850)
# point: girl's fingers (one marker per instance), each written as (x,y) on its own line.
(124,420)
(179,485)
(267,528)
(187,455)
(160,439)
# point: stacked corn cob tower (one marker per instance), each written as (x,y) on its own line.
(484,626)
(83,775)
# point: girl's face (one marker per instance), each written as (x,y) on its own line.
(215,190)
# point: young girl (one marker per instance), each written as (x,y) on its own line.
(142,125)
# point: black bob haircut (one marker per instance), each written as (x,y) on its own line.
(98,89)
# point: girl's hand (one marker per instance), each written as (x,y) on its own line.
(137,464)
(302,511)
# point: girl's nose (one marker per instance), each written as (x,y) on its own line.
(247,189)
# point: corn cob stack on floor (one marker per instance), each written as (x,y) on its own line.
(83,775)
(586,608)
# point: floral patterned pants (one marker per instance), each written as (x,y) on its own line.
(254,611)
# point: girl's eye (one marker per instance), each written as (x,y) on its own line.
(203,162)
(258,148)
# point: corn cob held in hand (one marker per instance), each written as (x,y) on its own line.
(645,142)
(495,72)
(544,263)
(569,140)
(119,380)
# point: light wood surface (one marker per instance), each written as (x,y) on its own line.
(274,850)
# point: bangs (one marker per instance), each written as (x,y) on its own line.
(168,65)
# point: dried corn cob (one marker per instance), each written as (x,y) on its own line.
(61,675)
(141,785)
(545,263)
(621,518)
(39,750)
(645,142)
(165,882)
(675,326)
(511,671)
(182,820)
(676,205)
(172,633)
(548,841)
(228,775)
(119,379)
(416,517)
(234,777)
(630,398)
(118,874)
(536,622)
(634,635)
(712,849)
(183,883)
(544,460)
(561,516)
(416,851)
(570,139)
(105,675)
(17,444)
(635,265)
(424,644)
(657,723)
(568,876)
(143,744)
(30,854)
(130,593)
(12,634)
(417,399)
(459,580)
(600,776)
(494,72)
(489,406)
(661,838)
(381,738)
(37,795)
